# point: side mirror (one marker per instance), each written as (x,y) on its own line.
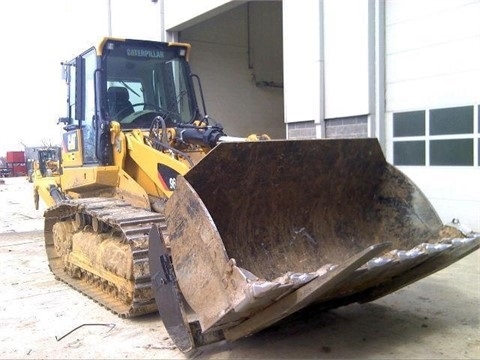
(64,120)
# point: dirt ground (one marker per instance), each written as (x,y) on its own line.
(435,318)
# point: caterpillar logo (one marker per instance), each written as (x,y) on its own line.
(146,53)
(70,141)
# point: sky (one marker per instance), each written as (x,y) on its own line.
(36,36)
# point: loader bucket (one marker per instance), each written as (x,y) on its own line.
(259,230)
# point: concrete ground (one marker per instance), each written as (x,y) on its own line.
(435,318)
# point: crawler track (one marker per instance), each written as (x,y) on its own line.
(90,223)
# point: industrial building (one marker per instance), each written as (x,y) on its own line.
(403,71)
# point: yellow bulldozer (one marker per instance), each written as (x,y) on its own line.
(45,162)
(155,208)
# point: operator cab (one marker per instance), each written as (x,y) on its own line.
(128,81)
(145,79)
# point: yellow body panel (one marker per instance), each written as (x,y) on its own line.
(133,177)
(131,191)
(89,178)
(41,188)
(143,161)
(101,46)
(117,138)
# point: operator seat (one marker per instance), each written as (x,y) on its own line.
(119,105)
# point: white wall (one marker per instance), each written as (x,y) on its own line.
(433,49)
(180,14)
(433,61)
(302,60)
(339,50)
(220,57)
(453,192)
(346,58)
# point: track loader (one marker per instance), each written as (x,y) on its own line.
(45,162)
(156,208)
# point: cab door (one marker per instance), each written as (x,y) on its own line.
(79,140)
(88,128)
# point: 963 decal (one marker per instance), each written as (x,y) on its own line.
(167,176)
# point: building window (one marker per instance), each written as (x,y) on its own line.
(437,137)
(410,123)
(457,152)
(409,153)
(458,120)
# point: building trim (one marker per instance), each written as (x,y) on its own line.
(320,120)
(378,120)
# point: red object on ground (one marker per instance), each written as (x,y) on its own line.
(15,156)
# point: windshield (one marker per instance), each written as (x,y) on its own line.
(147,78)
